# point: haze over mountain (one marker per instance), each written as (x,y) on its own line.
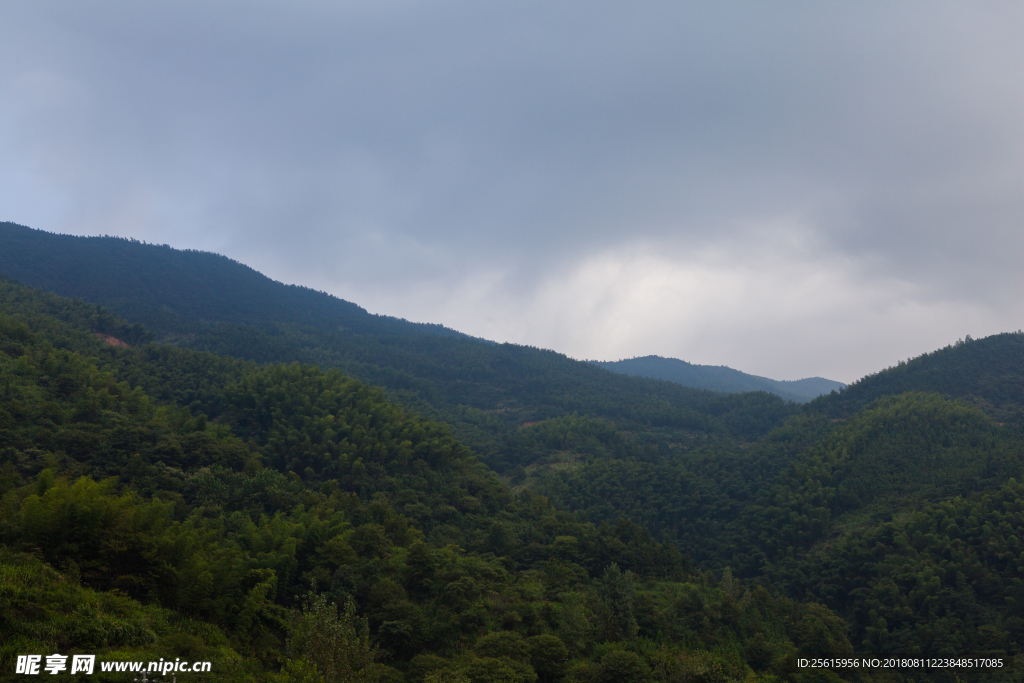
(843,182)
(720,378)
(173,291)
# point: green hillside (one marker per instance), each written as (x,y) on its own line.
(943,578)
(830,509)
(44,610)
(988,373)
(225,528)
(734,506)
(484,390)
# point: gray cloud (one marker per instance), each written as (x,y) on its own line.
(792,189)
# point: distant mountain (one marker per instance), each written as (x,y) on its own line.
(174,291)
(720,378)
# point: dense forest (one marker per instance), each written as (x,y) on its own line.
(403,503)
(282,502)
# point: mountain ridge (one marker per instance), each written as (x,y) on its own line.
(460,379)
(210,288)
(210,291)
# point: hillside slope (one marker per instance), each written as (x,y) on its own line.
(988,373)
(720,378)
(485,390)
(220,518)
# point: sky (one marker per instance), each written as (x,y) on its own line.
(792,189)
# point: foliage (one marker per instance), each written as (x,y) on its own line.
(618,598)
(44,611)
(225,496)
(338,646)
(943,579)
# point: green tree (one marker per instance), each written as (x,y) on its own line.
(617,591)
(423,666)
(503,644)
(574,622)
(499,670)
(339,646)
(549,656)
(445,675)
(622,666)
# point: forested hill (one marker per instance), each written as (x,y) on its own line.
(988,373)
(720,378)
(485,390)
(291,525)
(174,291)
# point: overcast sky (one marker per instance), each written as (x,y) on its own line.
(788,188)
